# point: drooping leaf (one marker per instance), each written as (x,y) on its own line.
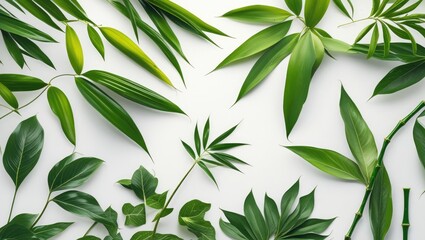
(330,162)
(132,91)
(343,9)
(257,43)
(15,231)
(74,50)
(259,14)
(21,83)
(15,26)
(111,110)
(45,232)
(135,216)
(359,137)
(8,96)
(314,11)
(192,216)
(381,206)
(61,107)
(133,15)
(96,40)
(143,183)
(23,150)
(12,47)
(134,52)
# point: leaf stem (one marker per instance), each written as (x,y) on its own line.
(13,204)
(43,210)
(406,224)
(355,21)
(90,228)
(175,191)
(378,167)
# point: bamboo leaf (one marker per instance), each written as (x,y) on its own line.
(15,26)
(330,162)
(295,6)
(74,50)
(21,83)
(111,110)
(61,107)
(314,11)
(343,9)
(197,138)
(373,41)
(419,138)
(387,39)
(38,12)
(129,48)
(13,49)
(52,9)
(133,15)
(363,33)
(401,77)
(132,91)
(72,7)
(259,14)
(23,150)
(381,206)
(96,40)
(359,137)
(257,43)
(33,50)
(8,96)
(206,134)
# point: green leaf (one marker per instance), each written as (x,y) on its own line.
(359,137)
(96,40)
(295,6)
(363,33)
(110,217)
(271,215)
(15,26)
(206,134)
(162,214)
(68,174)
(373,41)
(124,44)
(52,9)
(330,162)
(343,9)
(301,213)
(381,206)
(257,43)
(401,77)
(267,63)
(157,201)
(259,14)
(143,183)
(135,216)
(13,49)
(38,12)
(21,83)
(312,226)
(132,91)
(387,38)
(226,146)
(314,11)
(286,204)
(298,78)
(23,150)
(8,96)
(74,50)
(147,235)
(419,138)
(184,15)
(15,232)
(133,15)
(231,231)
(207,171)
(24,219)
(254,218)
(72,7)
(189,150)
(49,231)
(61,107)
(33,50)
(197,138)
(240,223)
(223,136)
(192,216)
(111,110)
(125,183)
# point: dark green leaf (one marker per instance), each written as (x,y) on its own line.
(197,138)
(135,216)
(226,146)
(419,138)
(192,216)
(231,231)
(72,8)
(271,215)
(13,49)
(24,219)
(286,204)
(15,232)
(38,12)
(133,15)
(189,150)
(295,6)
(162,214)
(373,41)
(254,217)
(49,231)
(52,9)
(206,134)
(207,171)
(96,40)
(8,96)
(22,29)
(145,235)
(143,183)
(223,136)
(18,83)
(33,50)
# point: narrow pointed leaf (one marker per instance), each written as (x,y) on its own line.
(52,9)
(419,138)
(206,134)
(8,96)
(21,83)
(133,15)
(295,6)
(254,217)
(38,12)
(22,29)
(33,50)
(271,215)
(314,11)
(12,47)
(96,40)
(259,14)
(373,41)
(74,50)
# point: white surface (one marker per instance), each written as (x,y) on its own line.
(273,169)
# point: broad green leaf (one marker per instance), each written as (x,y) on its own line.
(419,138)
(287,203)
(33,50)
(301,213)
(69,174)
(15,232)
(330,162)
(135,216)
(132,91)
(271,215)
(111,110)
(267,63)
(45,232)
(134,52)
(401,77)
(110,222)
(381,205)
(61,107)
(24,219)
(298,78)
(184,15)
(312,226)
(359,137)
(147,235)
(143,183)
(74,50)
(22,29)
(21,83)
(162,214)
(240,223)
(295,6)
(192,216)
(38,12)
(257,43)
(8,96)
(259,14)
(23,150)
(157,201)
(373,41)
(12,47)
(314,11)
(254,217)
(96,40)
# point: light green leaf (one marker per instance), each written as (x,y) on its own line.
(23,150)
(330,162)
(259,14)
(295,6)
(314,11)
(135,216)
(74,50)
(61,107)
(373,41)
(8,96)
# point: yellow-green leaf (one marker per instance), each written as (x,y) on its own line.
(74,49)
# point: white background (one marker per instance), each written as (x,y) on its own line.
(274,169)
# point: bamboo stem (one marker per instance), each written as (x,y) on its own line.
(406,223)
(378,167)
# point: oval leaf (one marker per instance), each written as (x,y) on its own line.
(314,11)
(259,14)
(74,50)
(8,96)
(18,83)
